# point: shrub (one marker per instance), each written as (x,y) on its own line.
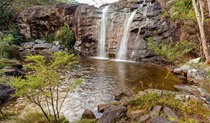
(169,51)
(43,86)
(63,34)
(5,42)
(66,36)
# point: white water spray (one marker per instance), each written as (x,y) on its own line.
(122,52)
(102,35)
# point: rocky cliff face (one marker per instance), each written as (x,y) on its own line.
(84,21)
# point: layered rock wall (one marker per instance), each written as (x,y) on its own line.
(84,21)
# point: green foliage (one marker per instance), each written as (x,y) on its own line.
(5,42)
(85,121)
(43,85)
(9,9)
(2,64)
(146,101)
(63,34)
(38,117)
(66,36)
(182,9)
(169,51)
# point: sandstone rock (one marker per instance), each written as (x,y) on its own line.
(42,46)
(112,114)
(142,118)
(38,41)
(27,45)
(168,112)
(195,75)
(119,96)
(186,66)
(155,111)
(191,89)
(84,21)
(160,119)
(88,114)
(164,27)
(135,114)
(103,107)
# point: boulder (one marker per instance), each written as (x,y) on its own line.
(5,93)
(186,66)
(42,46)
(170,113)
(112,114)
(27,45)
(142,118)
(38,41)
(119,96)
(136,114)
(155,111)
(195,90)
(196,75)
(88,114)
(160,119)
(103,107)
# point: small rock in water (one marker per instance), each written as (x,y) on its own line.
(88,114)
(103,107)
(119,96)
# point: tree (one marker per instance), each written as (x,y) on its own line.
(198,6)
(208,2)
(43,86)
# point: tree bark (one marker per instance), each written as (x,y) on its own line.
(208,2)
(200,21)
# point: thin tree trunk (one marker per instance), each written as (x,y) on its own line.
(39,105)
(52,103)
(208,2)
(200,21)
(57,101)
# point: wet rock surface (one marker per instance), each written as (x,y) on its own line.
(103,107)
(88,114)
(112,114)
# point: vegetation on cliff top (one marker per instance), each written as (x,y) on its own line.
(194,10)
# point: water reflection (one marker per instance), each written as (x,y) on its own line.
(103,78)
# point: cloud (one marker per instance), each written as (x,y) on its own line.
(96,3)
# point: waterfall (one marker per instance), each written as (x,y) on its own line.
(147,21)
(123,44)
(102,35)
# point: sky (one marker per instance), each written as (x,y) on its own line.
(96,3)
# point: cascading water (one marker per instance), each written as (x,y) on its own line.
(102,35)
(123,44)
(147,21)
